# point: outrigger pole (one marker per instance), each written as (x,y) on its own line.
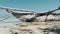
(15,9)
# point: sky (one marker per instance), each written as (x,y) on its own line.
(36,5)
(31,4)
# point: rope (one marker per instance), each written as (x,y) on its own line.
(5,18)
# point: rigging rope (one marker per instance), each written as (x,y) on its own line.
(5,18)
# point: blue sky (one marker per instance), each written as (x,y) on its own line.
(38,5)
(31,4)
